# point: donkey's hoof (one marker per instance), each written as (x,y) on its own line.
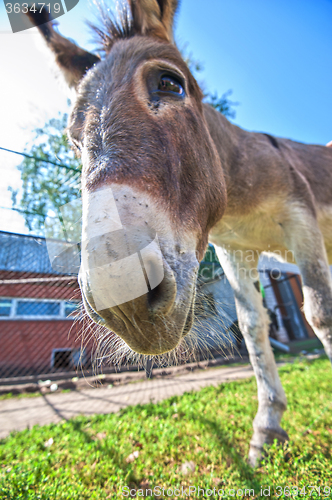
(263,437)
(255,456)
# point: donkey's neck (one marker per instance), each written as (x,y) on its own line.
(237,157)
(226,136)
(245,157)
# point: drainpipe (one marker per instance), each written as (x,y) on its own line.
(278,345)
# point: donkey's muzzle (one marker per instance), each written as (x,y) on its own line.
(122,265)
(129,286)
(147,324)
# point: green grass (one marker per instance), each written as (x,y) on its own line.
(10,395)
(212,428)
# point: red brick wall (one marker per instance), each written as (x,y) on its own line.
(27,345)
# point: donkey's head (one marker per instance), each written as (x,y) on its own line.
(152,183)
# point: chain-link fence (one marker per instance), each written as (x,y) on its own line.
(44,331)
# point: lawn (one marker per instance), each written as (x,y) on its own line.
(157,445)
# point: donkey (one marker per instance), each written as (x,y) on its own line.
(179,169)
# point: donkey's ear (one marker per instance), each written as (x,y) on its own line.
(154,17)
(72,60)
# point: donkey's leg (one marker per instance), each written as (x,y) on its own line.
(254,324)
(304,238)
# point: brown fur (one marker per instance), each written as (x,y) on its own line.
(73,61)
(154,18)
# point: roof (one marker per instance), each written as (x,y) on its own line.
(25,253)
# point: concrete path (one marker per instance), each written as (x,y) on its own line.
(17,414)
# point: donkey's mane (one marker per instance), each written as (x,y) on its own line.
(112,27)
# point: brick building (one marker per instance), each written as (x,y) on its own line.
(37,304)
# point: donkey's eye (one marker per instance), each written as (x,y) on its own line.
(170,84)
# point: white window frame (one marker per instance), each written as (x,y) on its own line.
(14,316)
(12,309)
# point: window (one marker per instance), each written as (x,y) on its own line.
(68,358)
(37,308)
(71,308)
(20,308)
(5,307)
(61,358)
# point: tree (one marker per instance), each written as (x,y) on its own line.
(221,104)
(50,175)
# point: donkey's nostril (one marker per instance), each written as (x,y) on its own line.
(162,297)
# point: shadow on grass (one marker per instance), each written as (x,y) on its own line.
(235,459)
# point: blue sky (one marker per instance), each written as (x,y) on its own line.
(275,56)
